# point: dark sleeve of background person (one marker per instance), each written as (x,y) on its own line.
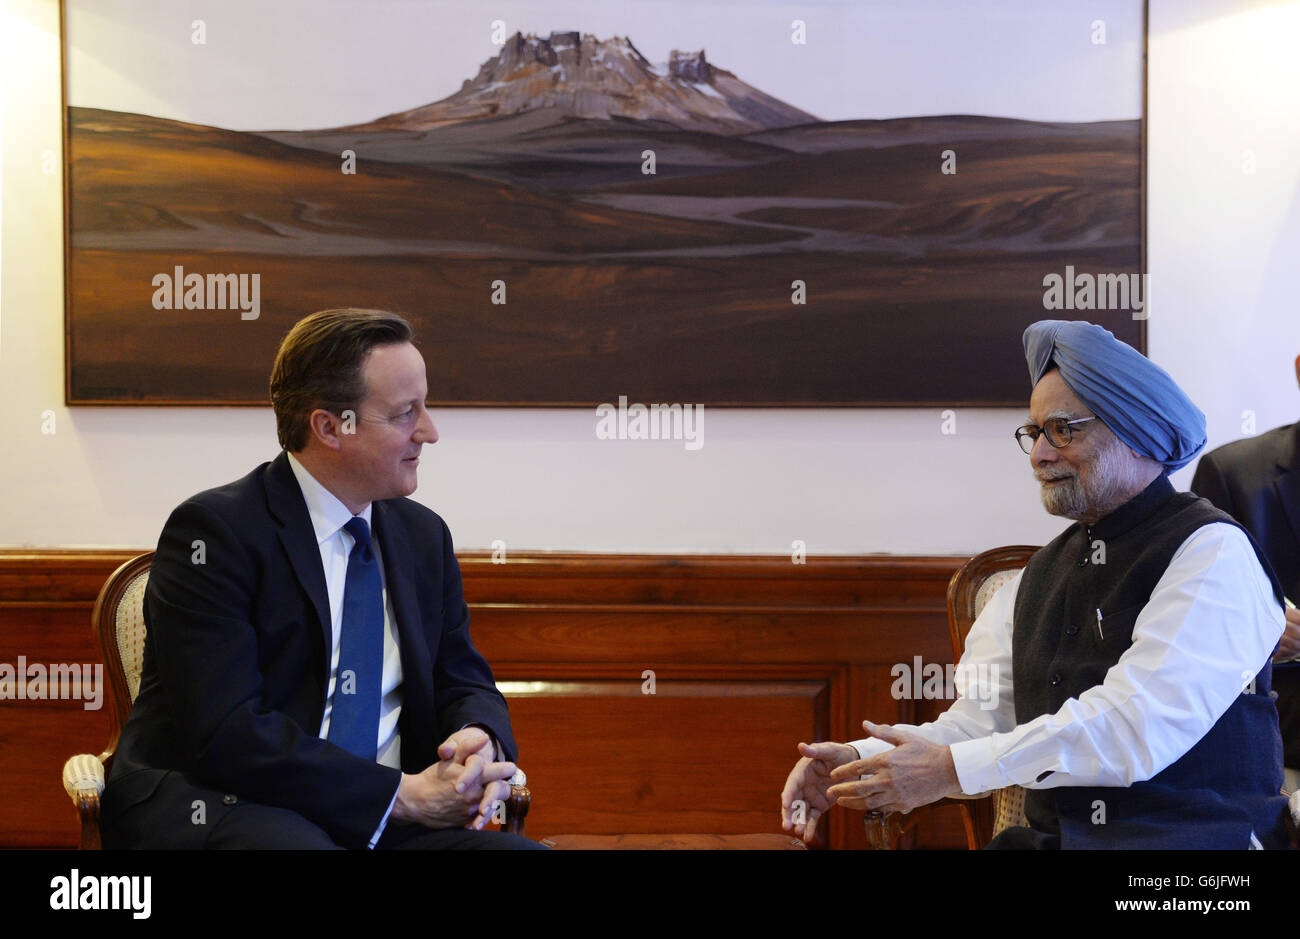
(1247,479)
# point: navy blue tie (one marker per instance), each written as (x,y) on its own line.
(354,720)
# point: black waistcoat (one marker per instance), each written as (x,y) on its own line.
(1228,783)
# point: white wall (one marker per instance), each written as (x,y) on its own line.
(1224,251)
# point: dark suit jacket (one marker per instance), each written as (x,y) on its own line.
(1257,482)
(236,664)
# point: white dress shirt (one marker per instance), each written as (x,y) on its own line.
(328,516)
(1210,625)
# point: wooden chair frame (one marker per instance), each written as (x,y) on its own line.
(977,813)
(978,816)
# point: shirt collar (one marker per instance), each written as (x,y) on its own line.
(328,514)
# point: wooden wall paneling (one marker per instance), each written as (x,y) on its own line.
(751,655)
(46,598)
(699,754)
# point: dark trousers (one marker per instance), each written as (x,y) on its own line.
(261,827)
(233,824)
(1023,839)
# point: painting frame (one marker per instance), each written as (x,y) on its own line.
(76,393)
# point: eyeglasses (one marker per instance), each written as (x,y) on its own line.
(1058,429)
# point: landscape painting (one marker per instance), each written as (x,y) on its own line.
(574,218)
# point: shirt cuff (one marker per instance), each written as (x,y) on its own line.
(976,762)
(383,822)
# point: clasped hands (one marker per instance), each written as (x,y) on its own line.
(461,789)
(915,772)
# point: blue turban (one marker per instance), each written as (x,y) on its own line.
(1133,396)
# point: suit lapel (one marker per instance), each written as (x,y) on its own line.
(285,501)
(399,578)
(1288,483)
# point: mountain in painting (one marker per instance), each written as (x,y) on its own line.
(571,75)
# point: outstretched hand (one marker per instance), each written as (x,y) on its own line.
(804,799)
(915,772)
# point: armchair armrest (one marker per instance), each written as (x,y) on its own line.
(885,828)
(83,780)
(518,804)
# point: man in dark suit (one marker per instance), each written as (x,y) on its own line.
(306,685)
(1257,482)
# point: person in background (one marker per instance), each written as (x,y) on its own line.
(1257,482)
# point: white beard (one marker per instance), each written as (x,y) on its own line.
(1096,491)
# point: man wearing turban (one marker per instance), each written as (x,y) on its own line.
(1131,655)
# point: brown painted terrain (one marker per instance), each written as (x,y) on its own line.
(670,287)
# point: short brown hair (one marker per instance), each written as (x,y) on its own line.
(319,366)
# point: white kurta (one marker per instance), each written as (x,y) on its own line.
(1209,627)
